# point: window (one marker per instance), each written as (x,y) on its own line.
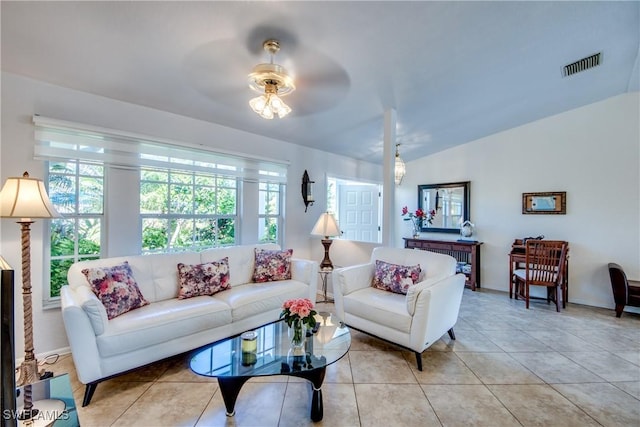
(357,207)
(189,197)
(183,210)
(269,218)
(77,191)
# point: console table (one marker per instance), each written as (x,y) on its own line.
(463,251)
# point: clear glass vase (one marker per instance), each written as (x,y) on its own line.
(297,335)
(416,229)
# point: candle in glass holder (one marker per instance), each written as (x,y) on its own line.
(249,342)
(249,348)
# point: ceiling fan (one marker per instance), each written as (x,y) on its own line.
(273,82)
(218,69)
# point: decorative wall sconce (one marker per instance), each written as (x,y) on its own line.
(307,190)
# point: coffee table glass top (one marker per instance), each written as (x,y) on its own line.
(274,355)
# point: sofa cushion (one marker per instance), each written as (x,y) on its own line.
(272,265)
(203,279)
(162,321)
(378,306)
(394,277)
(116,288)
(257,298)
(241,260)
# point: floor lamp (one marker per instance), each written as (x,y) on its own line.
(26,198)
(326,227)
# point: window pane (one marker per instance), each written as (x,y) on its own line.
(181,178)
(154,175)
(226,182)
(226,202)
(89,236)
(92,170)
(181,234)
(181,197)
(58,277)
(62,237)
(62,193)
(268,230)
(205,200)
(155,234)
(227,231)
(62,167)
(207,180)
(206,232)
(153,198)
(90,198)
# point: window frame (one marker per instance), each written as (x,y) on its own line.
(170,216)
(279,217)
(50,301)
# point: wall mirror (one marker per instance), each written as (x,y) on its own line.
(451,202)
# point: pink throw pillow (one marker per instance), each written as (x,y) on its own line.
(395,278)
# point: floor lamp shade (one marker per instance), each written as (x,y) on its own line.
(26,198)
(326,226)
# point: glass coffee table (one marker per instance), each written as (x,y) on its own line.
(226,361)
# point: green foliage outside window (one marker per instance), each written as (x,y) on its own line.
(186,210)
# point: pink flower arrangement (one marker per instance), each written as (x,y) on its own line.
(299,309)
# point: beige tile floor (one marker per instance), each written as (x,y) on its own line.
(508,367)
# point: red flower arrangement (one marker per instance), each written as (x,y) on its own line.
(418,216)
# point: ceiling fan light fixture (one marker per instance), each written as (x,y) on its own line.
(269,105)
(272,80)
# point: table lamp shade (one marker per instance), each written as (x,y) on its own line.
(326,226)
(24,197)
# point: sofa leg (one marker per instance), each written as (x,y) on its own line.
(88,393)
(619,308)
(451,334)
(419,360)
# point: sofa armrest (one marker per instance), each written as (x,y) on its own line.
(414,291)
(81,336)
(347,280)
(306,271)
(436,311)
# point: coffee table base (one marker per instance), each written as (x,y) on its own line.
(230,388)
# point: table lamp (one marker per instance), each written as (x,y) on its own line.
(26,198)
(326,227)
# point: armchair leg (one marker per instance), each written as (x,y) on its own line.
(619,308)
(451,334)
(419,360)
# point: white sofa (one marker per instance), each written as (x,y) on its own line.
(103,348)
(415,320)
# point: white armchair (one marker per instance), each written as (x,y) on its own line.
(415,320)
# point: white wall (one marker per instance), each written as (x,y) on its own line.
(23,97)
(592,153)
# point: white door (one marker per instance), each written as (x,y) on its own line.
(358,212)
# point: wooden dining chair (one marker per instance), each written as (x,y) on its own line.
(544,266)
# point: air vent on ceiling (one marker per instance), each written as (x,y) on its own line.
(582,65)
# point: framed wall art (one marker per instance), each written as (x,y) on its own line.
(545,203)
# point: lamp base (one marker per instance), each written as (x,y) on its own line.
(326,263)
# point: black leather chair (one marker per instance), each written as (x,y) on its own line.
(625,292)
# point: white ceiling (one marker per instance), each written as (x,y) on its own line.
(454,71)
